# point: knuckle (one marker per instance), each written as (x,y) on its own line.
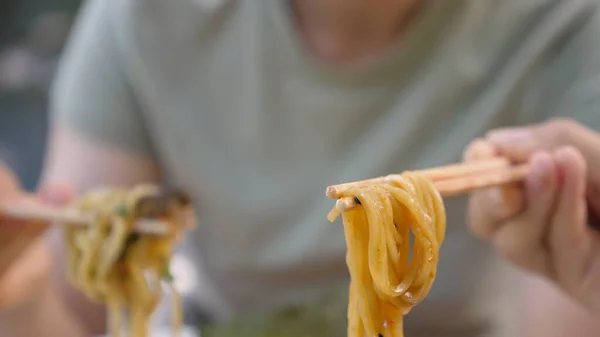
(480,231)
(501,202)
(511,248)
(524,255)
(512,201)
(522,242)
(561,129)
(478,149)
(489,210)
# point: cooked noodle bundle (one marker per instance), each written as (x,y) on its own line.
(393,239)
(116,266)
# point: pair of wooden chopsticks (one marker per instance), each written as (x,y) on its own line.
(150,209)
(64,216)
(449,180)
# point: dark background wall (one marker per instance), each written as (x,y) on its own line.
(32,34)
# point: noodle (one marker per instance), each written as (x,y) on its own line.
(389,273)
(114,265)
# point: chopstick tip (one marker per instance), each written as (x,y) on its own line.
(331,192)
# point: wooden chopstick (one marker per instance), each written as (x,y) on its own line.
(435,174)
(64,216)
(471,183)
(450,180)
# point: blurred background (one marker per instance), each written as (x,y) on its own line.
(32,35)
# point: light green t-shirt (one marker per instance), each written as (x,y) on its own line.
(225,96)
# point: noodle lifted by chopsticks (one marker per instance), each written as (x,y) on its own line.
(113,265)
(387,277)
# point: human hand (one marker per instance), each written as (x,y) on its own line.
(24,260)
(545,225)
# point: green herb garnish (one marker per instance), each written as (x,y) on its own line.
(166,273)
(122,211)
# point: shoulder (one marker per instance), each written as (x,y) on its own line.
(158,19)
(162,38)
(524,13)
(520,35)
(494,26)
(157,7)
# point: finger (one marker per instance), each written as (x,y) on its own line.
(14,241)
(56,194)
(489,207)
(479,149)
(17,235)
(522,239)
(28,271)
(570,239)
(8,181)
(541,185)
(517,144)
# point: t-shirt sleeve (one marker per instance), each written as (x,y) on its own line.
(571,87)
(91,92)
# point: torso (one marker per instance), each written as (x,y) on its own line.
(256,129)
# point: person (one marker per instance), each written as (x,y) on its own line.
(256,106)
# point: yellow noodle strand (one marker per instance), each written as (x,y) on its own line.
(113,265)
(389,274)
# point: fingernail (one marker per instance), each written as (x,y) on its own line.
(479,149)
(501,205)
(53,199)
(56,195)
(564,155)
(570,164)
(510,136)
(541,167)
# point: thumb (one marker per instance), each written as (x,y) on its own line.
(517,144)
(9,183)
(56,194)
